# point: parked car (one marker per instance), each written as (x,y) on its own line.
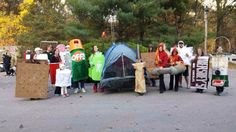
(1,67)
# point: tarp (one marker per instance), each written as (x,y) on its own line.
(118,71)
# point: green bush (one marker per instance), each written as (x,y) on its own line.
(104,46)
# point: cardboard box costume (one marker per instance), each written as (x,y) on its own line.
(140,86)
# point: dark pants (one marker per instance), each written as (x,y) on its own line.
(153,81)
(7,68)
(172,82)
(57,90)
(199,90)
(219,90)
(76,84)
(162,83)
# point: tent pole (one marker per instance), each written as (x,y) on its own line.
(123,65)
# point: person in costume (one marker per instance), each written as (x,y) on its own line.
(161,62)
(56,59)
(96,62)
(185,54)
(79,65)
(220,89)
(153,81)
(174,60)
(198,54)
(140,86)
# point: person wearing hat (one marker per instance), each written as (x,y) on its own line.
(37,51)
(161,62)
(174,60)
(186,57)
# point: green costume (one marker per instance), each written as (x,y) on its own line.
(96,62)
(79,65)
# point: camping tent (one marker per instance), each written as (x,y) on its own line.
(118,71)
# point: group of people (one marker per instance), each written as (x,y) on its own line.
(178,55)
(81,70)
(73,58)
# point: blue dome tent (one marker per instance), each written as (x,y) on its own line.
(118,71)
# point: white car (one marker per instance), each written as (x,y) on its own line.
(1,67)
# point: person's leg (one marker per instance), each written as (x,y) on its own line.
(186,79)
(171,82)
(180,79)
(95,85)
(153,81)
(200,90)
(177,82)
(218,90)
(221,89)
(162,84)
(66,92)
(62,91)
(76,86)
(57,91)
(99,87)
(82,86)
(197,90)
(186,74)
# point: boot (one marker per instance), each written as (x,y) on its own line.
(94,88)
(101,90)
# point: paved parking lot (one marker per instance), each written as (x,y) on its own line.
(184,111)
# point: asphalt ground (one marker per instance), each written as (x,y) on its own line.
(124,111)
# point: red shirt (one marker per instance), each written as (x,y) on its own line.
(174,59)
(163,59)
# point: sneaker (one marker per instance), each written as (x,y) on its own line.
(67,95)
(57,95)
(83,90)
(76,91)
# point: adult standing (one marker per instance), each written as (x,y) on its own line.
(185,54)
(56,59)
(220,90)
(152,78)
(96,62)
(7,63)
(49,52)
(161,62)
(198,54)
(79,65)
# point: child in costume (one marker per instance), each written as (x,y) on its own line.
(96,62)
(79,65)
(174,60)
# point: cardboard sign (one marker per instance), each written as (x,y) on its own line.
(149,59)
(200,73)
(31,80)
